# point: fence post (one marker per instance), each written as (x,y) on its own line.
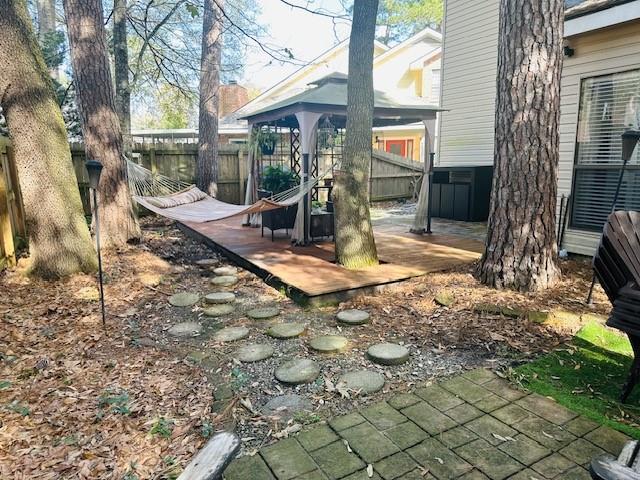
(15,195)
(242,174)
(6,232)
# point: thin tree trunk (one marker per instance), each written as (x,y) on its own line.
(59,240)
(355,244)
(207,170)
(100,124)
(47,26)
(521,248)
(46,17)
(121,71)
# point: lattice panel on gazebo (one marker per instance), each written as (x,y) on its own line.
(296,157)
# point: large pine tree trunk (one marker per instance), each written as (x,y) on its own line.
(521,248)
(100,124)
(355,245)
(59,241)
(207,169)
(121,71)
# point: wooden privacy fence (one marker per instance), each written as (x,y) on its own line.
(12,224)
(392,176)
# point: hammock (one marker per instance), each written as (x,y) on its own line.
(183,202)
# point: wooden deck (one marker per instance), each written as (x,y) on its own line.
(310,275)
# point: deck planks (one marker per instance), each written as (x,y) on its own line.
(311,271)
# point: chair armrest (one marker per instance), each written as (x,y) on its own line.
(606,467)
(215,456)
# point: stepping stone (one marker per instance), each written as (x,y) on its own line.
(220,297)
(219,310)
(286,330)
(225,271)
(353,317)
(224,280)
(185,329)
(444,299)
(263,313)
(254,353)
(388,353)
(231,334)
(363,381)
(328,343)
(297,371)
(206,262)
(184,299)
(285,406)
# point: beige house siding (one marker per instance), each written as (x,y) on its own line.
(606,51)
(468,83)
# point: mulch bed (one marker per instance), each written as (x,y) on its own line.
(79,402)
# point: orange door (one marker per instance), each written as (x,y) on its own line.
(398,147)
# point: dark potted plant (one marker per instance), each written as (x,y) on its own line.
(265,140)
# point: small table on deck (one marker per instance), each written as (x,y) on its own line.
(321,225)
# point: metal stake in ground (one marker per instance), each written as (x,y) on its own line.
(94,169)
(629,141)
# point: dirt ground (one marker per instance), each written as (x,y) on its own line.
(129,401)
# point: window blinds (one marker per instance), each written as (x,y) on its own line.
(609,105)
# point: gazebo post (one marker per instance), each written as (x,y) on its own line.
(308,123)
(421,221)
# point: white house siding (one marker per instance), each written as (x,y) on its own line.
(468,83)
(606,51)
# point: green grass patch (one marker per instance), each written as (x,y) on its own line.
(587,377)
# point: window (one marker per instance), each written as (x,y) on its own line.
(609,105)
(435,85)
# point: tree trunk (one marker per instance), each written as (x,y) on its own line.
(46,17)
(355,244)
(59,240)
(100,125)
(207,171)
(121,71)
(521,250)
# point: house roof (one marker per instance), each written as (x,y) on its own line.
(329,95)
(424,34)
(343,45)
(577,8)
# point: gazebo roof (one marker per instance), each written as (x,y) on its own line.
(328,95)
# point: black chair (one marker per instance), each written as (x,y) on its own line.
(617,266)
(279,219)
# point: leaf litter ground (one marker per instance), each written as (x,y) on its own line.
(133,402)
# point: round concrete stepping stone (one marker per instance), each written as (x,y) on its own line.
(363,381)
(328,343)
(297,371)
(227,271)
(353,317)
(220,297)
(285,406)
(184,299)
(263,313)
(206,262)
(219,310)
(286,330)
(224,280)
(388,353)
(185,329)
(231,334)
(254,353)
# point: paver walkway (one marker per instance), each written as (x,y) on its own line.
(473,426)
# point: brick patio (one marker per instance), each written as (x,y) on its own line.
(473,426)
